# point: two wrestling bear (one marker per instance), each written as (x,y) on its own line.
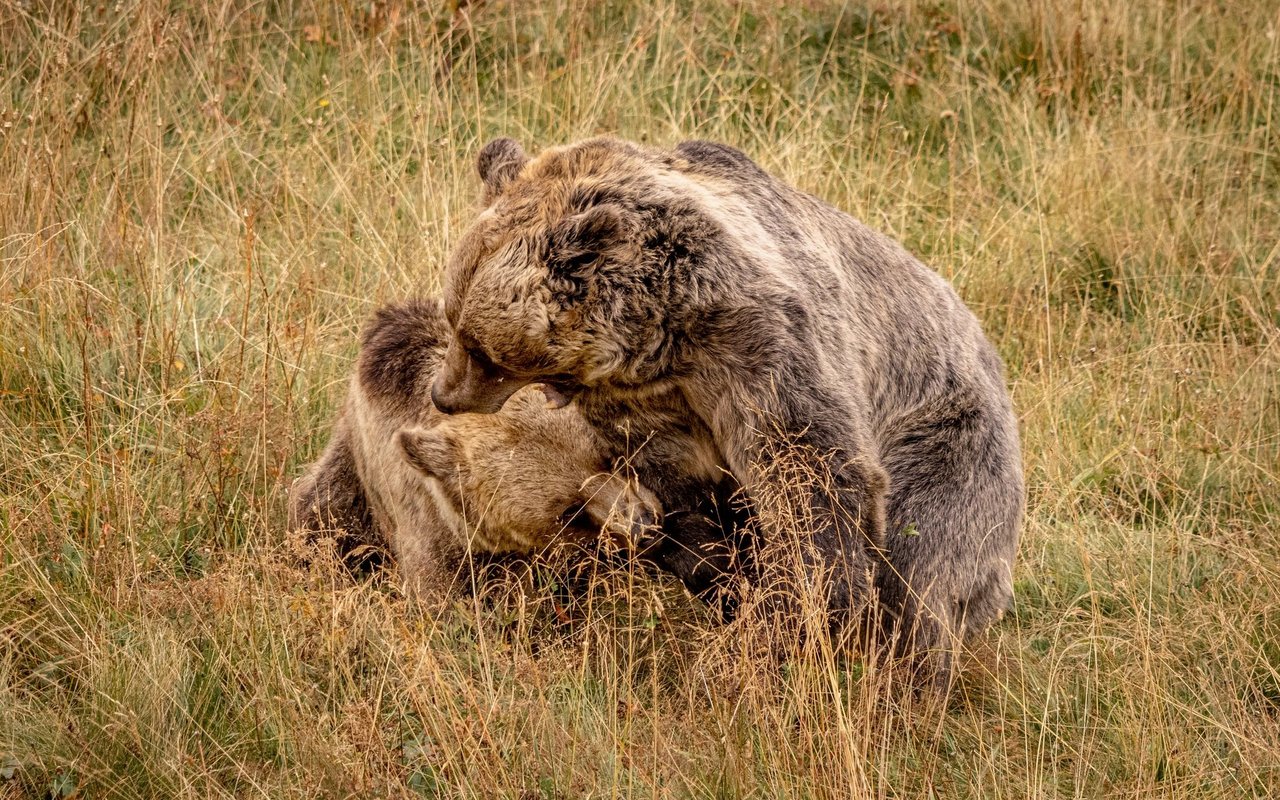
(722,335)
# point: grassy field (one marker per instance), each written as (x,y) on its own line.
(200,204)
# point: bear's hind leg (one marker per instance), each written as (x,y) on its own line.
(954,511)
(329,499)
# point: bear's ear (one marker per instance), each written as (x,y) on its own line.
(429,450)
(579,242)
(498,163)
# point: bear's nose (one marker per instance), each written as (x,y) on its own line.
(441,399)
(648,519)
(646,524)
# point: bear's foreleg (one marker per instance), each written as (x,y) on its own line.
(705,547)
(816,490)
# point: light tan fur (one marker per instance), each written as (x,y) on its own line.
(439,489)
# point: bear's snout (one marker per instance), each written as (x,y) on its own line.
(463,385)
(471,397)
(442,399)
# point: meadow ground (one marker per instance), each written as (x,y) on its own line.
(200,203)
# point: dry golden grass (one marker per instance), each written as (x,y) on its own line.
(200,204)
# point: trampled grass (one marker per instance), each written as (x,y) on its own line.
(200,204)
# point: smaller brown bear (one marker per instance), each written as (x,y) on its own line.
(435,489)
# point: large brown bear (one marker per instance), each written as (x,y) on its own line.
(687,297)
(398,474)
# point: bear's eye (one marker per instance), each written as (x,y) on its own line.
(477,353)
(571,514)
(482,359)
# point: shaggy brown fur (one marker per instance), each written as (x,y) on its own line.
(435,488)
(756,320)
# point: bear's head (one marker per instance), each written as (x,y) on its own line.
(571,277)
(526,477)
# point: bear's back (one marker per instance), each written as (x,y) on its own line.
(878,313)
